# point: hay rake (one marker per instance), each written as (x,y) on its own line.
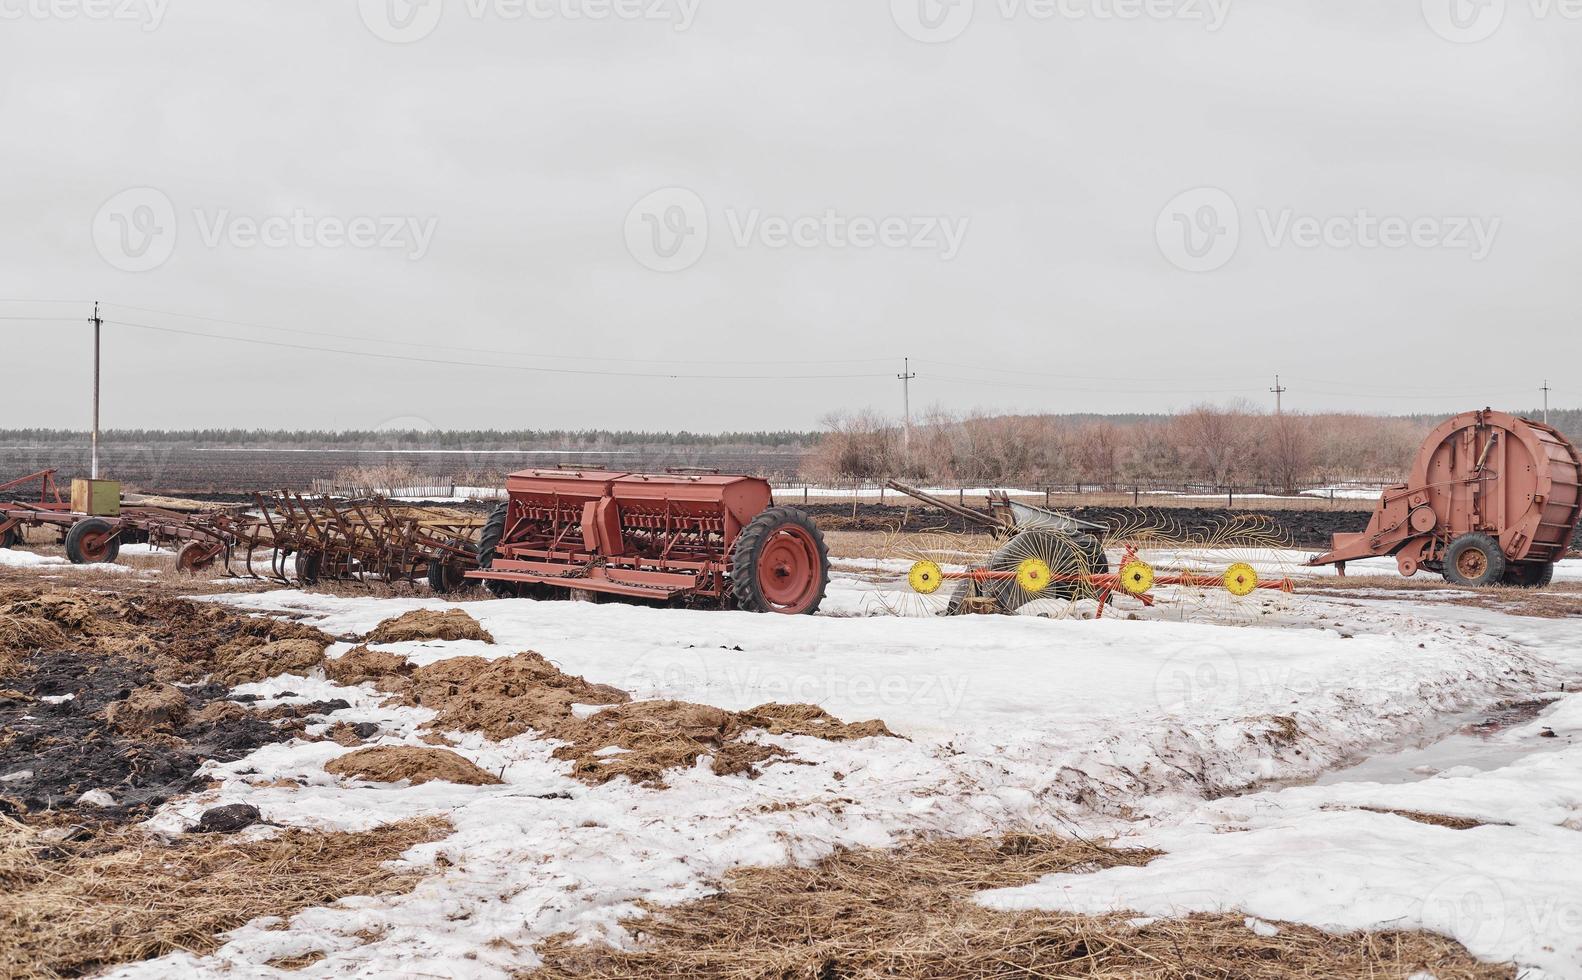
(1037,555)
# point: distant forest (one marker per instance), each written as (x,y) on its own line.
(411,438)
(1238,445)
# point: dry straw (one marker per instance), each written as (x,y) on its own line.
(870,914)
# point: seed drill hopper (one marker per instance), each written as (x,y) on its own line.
(687,536)
(1493,499)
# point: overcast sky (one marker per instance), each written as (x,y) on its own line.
(1082,205)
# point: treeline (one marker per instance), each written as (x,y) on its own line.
(416,438)
(1207,445)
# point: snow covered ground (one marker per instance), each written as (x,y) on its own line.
(1142,728)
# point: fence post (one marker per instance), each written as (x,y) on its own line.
(1046,498)
(1230,496)
(1136,496)
(804,495)
(961,497)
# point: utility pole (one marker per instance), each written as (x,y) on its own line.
(906,377)
(1546,401)
(1278,390)
(98,323)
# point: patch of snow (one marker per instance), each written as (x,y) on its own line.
(1508,890)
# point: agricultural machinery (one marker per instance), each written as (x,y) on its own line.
(1044,554)
(695,537)
(1492,499)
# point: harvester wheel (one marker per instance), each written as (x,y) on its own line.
(1475,560)
(780,563)
(1530,574)
(11,537)
(308,565)
(92,541)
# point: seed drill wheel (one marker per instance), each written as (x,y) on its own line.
(11,537)
(92,541)
(780,563)
(1474,559)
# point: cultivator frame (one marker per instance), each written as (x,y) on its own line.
(356,539)
(360,539)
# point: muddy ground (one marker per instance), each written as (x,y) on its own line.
(109,705)
(56,720)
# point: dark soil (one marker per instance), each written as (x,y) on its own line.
(1302,528)
(71,749)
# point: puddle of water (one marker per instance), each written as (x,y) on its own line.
(1471,743)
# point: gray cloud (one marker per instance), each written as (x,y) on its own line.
(1053,137)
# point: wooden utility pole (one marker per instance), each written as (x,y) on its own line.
(98,324)
(1278,391)
(906,377)
(1546,401)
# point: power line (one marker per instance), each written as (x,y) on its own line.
(363,338)
(380,355)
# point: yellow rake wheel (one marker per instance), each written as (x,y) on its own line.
(1032,575)
(925,578)
(1241,579)
(1137,577)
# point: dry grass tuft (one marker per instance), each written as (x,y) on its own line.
(503,698)
(155,708)
(641,741)
(427,624)
(362,666)
(870,914)
(73,901)
(393,763)
(245,663)
(23,632)
(1433,819)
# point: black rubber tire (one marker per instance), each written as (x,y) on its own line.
(308,565)
(444,578)
(749,547)
(488,541)
(1529,574)
(82,529)
(1058,550)
(11,538)
(1493,561)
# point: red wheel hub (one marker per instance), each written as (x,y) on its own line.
(788,570)
(95,547)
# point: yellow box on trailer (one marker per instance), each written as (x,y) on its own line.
(101,498)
